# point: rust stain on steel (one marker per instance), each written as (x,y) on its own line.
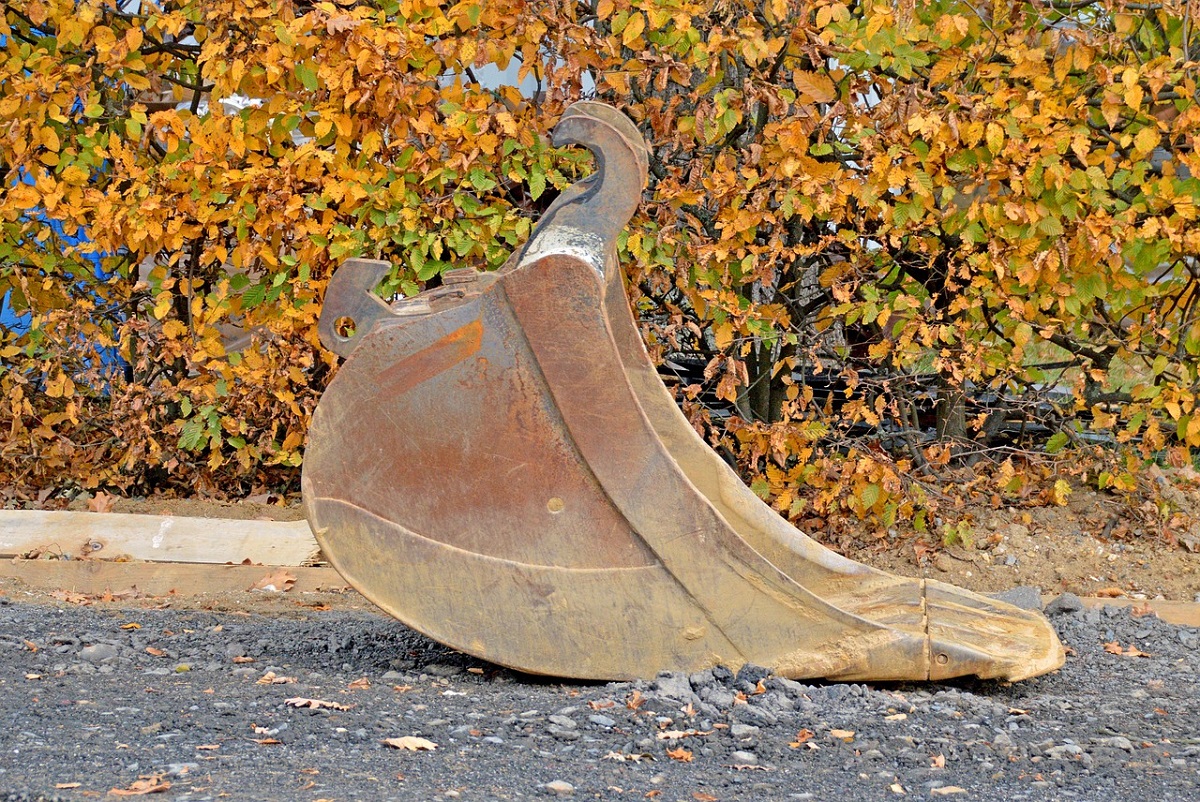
(433,360)
(498,465)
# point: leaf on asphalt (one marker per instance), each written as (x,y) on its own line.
(151,784)
(843,735)
(131,625)
(266,741)
(701,796)
(411,743)
(359,684)
(67,785)
(270,679)
(33,676)
(1132,651)
(280,581)
(150,650)
(938,761)
(947,790)
(31,646)
(675,735)
(634,700)
(802,737)
(601,704)
(243,659)
(896,717)
(680,754)
(315,704)
(633,757)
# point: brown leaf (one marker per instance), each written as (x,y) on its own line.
(802,737)
(701,796)
(410,743)
(150,650)
(843,735)
(1132,651)
(280,581)
(937,762)
(243,659)
(131,625)
(634,700)
(1143,609)
(266,741)
(602,704)
(67,785)
(680,754)
(31,646)
(315,704)
(946,790)
(359,684)
(675,735)
(270,679)
(1109,593)
(151,784)
(102,502)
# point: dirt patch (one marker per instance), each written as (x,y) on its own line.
(1089,547)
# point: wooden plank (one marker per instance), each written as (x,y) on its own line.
(158,538)
(159,579)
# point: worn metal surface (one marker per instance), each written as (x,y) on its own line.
(498,465)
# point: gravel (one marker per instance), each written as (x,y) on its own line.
(255,707)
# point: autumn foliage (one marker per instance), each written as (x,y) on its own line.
(863,218)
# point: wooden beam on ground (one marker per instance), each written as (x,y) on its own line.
(157,538)
(95,577)
(1183,614)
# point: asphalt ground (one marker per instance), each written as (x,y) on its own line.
(339,704)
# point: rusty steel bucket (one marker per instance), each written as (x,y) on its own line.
(498,466)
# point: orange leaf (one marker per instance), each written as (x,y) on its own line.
(146,785)
(680,754)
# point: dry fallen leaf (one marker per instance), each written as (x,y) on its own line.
(634,700)
(937,762)
(315,704)
(101,502)
(1143,609)
(804,736)
(680,754)
(359,684)
(270,679)
(634,757)
(266,741)
(1109,593)
(701,796)
(278,582)
(243,659)
(896,717)
(897,788)
(1132,651)
(208,747)
(843,735)
(601,704)
(150,650)
(946,790)
(67,785)
(152,784)
(411,743)
(675,735)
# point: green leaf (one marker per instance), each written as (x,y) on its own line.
(1056,443)
(307,76)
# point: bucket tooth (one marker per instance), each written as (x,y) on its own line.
(498,465)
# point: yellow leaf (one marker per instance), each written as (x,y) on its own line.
(633,29)
(410,743)
(1145,141)
(814,87)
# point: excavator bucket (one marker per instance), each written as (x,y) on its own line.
(497,465)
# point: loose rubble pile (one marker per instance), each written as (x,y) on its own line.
(337,704)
